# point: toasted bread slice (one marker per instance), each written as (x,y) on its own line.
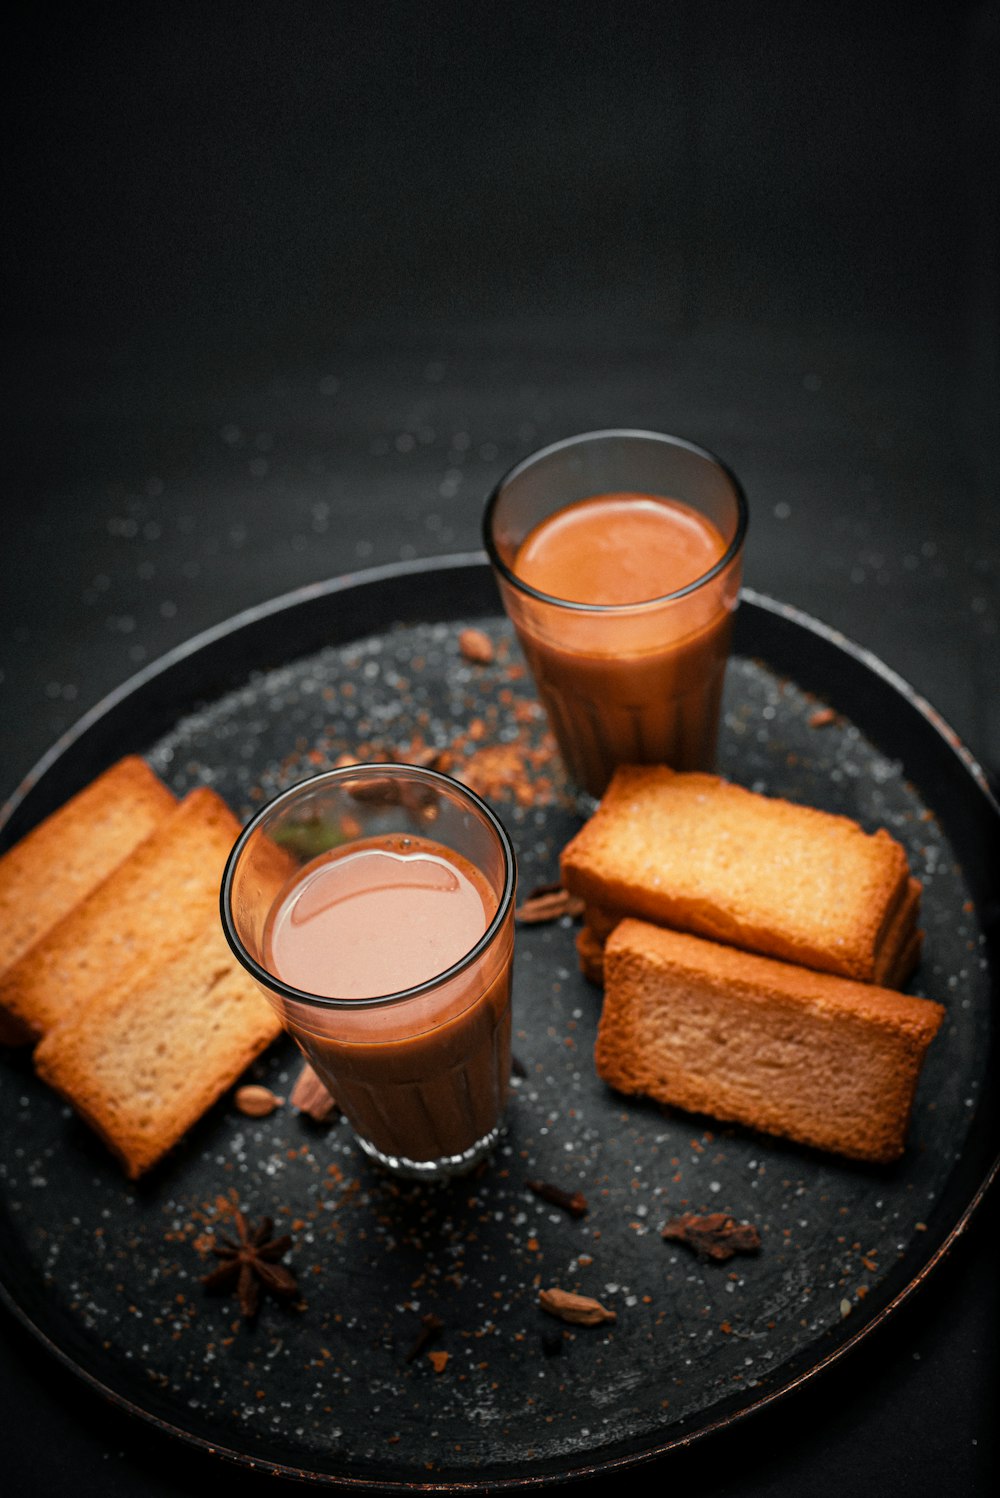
(131,922)
(895,960)
(590,950)
(696,853)
(821,1060)
(146,1059)
(67,856)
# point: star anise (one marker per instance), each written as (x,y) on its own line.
(252,1265)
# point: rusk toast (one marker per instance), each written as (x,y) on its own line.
(59,862)
(895,960)
(133,921)
(151,1053)
(822,1060)
(693,852)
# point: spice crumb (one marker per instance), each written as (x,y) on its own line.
(477,647)
(580,1310)
(255,1101)
(822,717)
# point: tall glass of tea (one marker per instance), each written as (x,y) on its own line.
(618,556)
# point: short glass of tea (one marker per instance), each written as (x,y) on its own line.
(374,907)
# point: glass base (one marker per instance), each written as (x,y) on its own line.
(434,1170)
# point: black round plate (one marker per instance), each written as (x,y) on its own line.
(108,1275)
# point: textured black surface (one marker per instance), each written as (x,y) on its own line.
(111,1273)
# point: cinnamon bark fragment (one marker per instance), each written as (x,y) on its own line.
(390,790)
(313,1097)
(573,1202)
(548,902)
(579,1310)
(380,790)
(712,1236)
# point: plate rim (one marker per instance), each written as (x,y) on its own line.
(343,584)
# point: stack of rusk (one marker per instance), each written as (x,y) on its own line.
(112,959)
(750,951)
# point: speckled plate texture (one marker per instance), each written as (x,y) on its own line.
(109,1274)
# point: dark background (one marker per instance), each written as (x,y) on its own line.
(287,288)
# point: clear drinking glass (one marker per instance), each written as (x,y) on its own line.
(421,1074)
(634,683)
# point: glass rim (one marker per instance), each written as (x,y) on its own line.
(396,770)
(506,572)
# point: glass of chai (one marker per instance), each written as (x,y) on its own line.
(374,906)
(618,555)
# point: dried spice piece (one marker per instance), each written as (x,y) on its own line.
(714,1236)
(552,1344)
(427,758)
(580,1310)
(476,647)
(431,1327)
(313,1097)
(379,790)
(573,1202)
(256,1102)
(251,1265)
(389,791)
(548,902)
(822,717)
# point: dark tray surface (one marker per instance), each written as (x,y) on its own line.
(109,1274)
